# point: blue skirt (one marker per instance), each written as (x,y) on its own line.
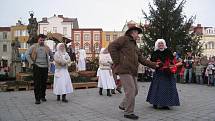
(163,91)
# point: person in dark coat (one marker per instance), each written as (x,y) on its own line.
(71,52)
(163,92)
(126,57)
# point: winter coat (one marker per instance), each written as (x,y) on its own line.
(126,55)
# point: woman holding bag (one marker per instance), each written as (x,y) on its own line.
(62,80)
(163,92)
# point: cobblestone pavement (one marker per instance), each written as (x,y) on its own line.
(197,104)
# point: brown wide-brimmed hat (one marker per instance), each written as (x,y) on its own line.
(134,28)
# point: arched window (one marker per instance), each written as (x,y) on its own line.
(96,46)
(77,47)
(87,47)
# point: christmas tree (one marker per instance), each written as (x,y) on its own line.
(166,21)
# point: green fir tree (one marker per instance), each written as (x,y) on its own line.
(167,21)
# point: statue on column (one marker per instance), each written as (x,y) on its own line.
(32,29)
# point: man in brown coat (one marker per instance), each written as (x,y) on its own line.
(126,58)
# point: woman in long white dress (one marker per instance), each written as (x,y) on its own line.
(62,80)
(82,60)
(104,73)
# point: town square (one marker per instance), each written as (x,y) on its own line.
(146,60)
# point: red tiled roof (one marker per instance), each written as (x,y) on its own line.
(4,28)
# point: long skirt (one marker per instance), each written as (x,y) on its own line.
(81,65)
(62,82)
(163,91)
(105,80)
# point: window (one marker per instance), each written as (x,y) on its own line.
(87,47)
(64,31)
(4,35)
(96,47)
(23,32)
(77,37)
(96,37)
(44,30)
(20,34)
(26,32)
(4,48)
(77,47)
(86,37)
(114,37)
(210,45)
(107,37)
(54,29)
(72,25)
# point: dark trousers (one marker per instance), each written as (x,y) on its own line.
(40,76)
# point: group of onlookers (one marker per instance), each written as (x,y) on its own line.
(199,70)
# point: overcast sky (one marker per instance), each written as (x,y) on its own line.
(105,14)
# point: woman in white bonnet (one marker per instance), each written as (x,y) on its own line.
(62,80)
(104,73)
(163,92)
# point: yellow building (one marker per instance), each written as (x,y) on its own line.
(109,36)
(20,31)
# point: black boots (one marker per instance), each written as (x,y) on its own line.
(100,91)
(108,92)
(64,98)
(58,97)
(37,102)
(131,116)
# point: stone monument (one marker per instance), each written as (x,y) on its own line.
(32,28)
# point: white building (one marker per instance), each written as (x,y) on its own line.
(58,24)
(5,46)
(208,39)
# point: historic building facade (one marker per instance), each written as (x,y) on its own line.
(20,32)
(109,36)
(5,46)
(208,39)
(58,24)
(89,39)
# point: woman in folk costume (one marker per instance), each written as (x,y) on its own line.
(62,80)
(163,92)
(104,73)
(82,60)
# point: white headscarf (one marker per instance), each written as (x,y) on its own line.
(103,51)
(104,56)
(58,49)
(61,56)
(159,41)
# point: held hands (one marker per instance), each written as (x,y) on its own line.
(159,64)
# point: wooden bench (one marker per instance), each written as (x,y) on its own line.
(84,85)
(3,86)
